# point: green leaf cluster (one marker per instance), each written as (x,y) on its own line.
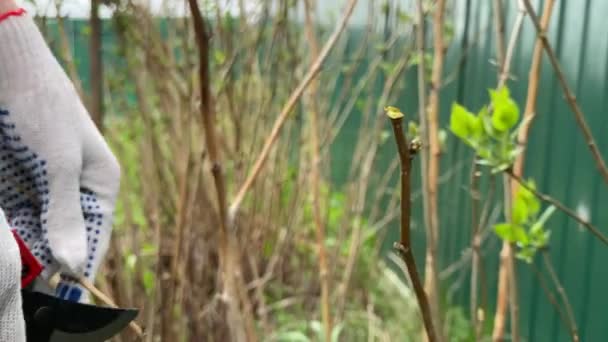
(490,132)
(526,228)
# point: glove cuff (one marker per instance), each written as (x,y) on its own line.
(13,13)
(25,58)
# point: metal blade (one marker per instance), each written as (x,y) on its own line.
(100,335)
(50,319)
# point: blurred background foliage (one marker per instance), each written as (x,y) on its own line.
(164,256)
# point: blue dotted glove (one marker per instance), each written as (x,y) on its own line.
(58,178)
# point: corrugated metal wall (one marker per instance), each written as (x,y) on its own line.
(557,158)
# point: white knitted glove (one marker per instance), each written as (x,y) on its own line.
(12,325)
(58,178)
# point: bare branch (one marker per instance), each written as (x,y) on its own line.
(315,182)
(570,320)
(291,102)
(546,198)
(570,97)
(404,246)
(506,273)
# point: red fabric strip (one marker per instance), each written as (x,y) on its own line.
(13,13)
(30,267)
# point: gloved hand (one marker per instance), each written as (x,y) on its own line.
(58,178)
(12,325)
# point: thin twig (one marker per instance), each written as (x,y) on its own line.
(533,84)
(505,294)
(475,246)
(404,246)
(546,198)
(422,118)
(240,320)
(571,321)
(549,293)
(367,153)
(511,265)
(315,182)
(291,102)
(505,68)
(499,32)
(570,97)
(434,153)
(109,302)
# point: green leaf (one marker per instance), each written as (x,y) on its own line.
(219,56)
(529,198)
(443,138)
(384,136)
(486,122)
(506,112)
(336,331)
(485,154)
(511,233)
(148,249)
(500,167)
(465,124)
(317,327)
(526,254)
(525,205)
(513,153)
(267,248)
(546,215)
(538,236)
(149,279)
(520,235)
(520,211)
(130,261)
(503,230)
(412,129)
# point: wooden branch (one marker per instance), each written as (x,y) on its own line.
(65,52)
(404,247)
(546,198)
(523,135)
(507,296)
(422,89)
(505,68)
(570,97)
(239,318)
(96,66)
(315,181)
(207,110)
(550,296)
(291,102)
(137,330)
(434,153)
(475,246)
(570,320)
(533,83)
(499,32)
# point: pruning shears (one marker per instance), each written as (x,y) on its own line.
(52,319)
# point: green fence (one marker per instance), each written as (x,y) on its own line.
(557,157)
